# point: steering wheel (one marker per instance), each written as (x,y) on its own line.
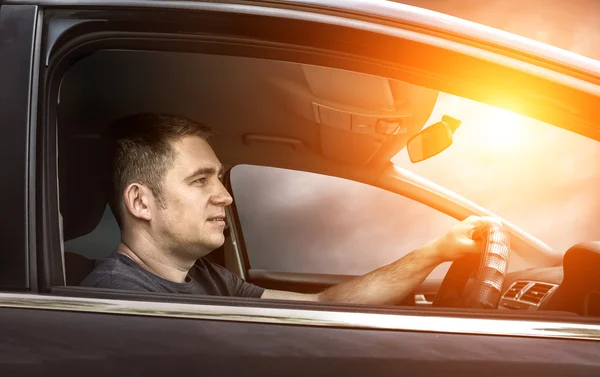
(476,281)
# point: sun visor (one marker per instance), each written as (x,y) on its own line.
(350,88)
(359,117)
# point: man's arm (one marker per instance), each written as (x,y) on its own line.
(390,284)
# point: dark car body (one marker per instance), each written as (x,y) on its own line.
(48,328)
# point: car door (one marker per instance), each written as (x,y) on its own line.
(75,331)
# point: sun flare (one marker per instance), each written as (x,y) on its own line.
(504,129)
(497,129)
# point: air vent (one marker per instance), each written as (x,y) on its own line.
(514,290)
(536,293)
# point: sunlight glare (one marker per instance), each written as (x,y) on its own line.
(499,130)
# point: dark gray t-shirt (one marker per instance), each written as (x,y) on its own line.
(205,278)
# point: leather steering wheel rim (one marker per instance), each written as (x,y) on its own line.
(477,281)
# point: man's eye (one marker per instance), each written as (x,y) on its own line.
(201,181)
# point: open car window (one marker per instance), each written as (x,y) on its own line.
(292,221)
(307,115)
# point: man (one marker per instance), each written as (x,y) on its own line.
(170,203)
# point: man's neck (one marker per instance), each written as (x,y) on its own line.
(155,259)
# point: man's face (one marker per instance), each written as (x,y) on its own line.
(191,219)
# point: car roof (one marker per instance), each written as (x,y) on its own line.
(410,14)
(384,11)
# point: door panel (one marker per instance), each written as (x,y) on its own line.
(74,344)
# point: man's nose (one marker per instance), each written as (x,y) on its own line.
(222,197)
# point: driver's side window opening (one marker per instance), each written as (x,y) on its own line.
(270,113)
(322,109)
(301,222)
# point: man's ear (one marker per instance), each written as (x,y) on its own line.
(137,199)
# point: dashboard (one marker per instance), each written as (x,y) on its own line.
(573,287)
(529,289)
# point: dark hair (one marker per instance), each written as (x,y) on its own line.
(140,148)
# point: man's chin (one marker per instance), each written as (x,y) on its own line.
(199,247)
(215,242)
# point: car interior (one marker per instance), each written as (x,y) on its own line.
(266,112)
(286,115)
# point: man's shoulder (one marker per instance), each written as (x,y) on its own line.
(114,273)
(227,283)
(204,264)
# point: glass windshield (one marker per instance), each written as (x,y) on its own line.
(543,179)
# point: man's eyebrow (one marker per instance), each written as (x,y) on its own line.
(207,171)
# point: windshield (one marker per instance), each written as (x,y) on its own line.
(543,179)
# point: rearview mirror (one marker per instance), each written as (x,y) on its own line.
(432,140)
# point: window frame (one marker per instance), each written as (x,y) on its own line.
(20,24)
(51,254)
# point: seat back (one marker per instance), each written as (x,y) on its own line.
(77,267)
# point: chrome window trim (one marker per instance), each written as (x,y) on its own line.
(305,317)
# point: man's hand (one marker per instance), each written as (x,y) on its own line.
(461,239)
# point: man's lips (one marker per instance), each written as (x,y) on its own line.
(218,218)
